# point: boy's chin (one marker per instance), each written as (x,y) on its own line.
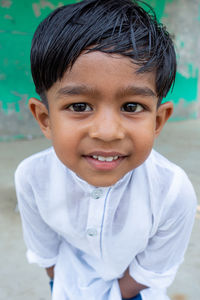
(102,182)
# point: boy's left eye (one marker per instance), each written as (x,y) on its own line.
(79,107)
(132,107)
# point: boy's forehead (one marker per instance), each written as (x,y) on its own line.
(97,71)
(104,61)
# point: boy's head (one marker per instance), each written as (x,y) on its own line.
(110,26)
(102,68)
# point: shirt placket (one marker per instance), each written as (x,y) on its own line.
(95,219)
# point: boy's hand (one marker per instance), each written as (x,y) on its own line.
(50,272)
(129,287)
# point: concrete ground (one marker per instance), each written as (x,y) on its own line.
(180,142)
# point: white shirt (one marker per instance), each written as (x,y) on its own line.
(93,235)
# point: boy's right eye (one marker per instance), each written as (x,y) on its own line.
(79,107)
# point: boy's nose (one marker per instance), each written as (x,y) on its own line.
(107,127)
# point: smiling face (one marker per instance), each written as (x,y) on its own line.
(102,118)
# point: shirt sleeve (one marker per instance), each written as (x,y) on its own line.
(42,242)
(157,265)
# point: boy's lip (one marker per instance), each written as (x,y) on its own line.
(106,154)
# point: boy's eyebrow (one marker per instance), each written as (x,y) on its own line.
(76,90)
(136,90)
(122,92)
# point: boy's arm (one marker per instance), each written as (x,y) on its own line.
(129,287)
(157,264)
(41,241)
(50,272)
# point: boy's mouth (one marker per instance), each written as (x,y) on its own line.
(103,160)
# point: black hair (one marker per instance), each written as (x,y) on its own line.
(110,26)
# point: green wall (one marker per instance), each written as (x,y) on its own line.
(18,21)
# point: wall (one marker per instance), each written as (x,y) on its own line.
(182,18)
(18,20)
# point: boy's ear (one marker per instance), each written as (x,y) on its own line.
(164,112)
(41,114)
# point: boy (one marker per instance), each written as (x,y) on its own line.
(107,216)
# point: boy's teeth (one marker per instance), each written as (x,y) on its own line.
(102,158)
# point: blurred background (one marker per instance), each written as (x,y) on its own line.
(20,135)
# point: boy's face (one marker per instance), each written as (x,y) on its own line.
(102,118)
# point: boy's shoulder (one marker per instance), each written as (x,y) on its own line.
(34,164)
(169,182)
(164,172)
(159,165)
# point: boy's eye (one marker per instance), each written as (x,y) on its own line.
(79,107)
(132,107)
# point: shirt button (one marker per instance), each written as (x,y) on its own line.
(97,193)
(91,232)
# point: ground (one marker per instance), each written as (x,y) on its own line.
(179,142)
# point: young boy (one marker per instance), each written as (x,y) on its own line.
(107,216)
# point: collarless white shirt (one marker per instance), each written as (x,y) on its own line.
(93,235)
